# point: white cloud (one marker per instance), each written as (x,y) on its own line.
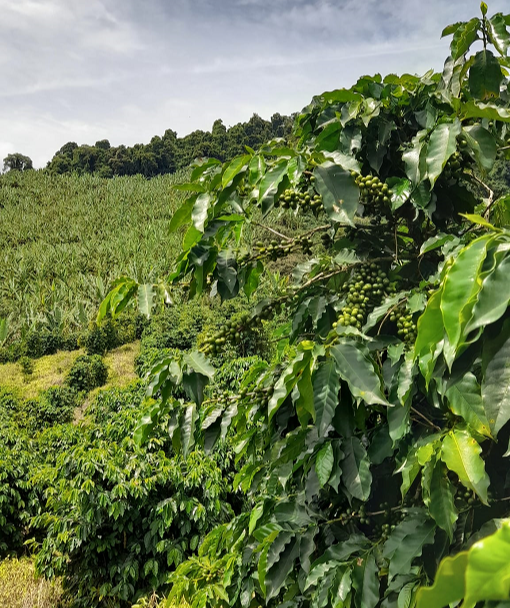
(126,70)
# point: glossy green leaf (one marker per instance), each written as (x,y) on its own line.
(434,242)
(461,454)
(463,37)
(188,429)
(234,168)
(356,475)
(415,159)
(326,384)
(339,192)
(269,184)
(288,380)
(496,380)
(145,299)
(200,211)
(485,76)
(465,400)
(460,290)
(488,568)
(406,543)
(365,580)
(494,296)
(401,189)
(302,396)
(357,369)
(442,507)
(324,463)
(182,216)
(449,584)
(475,109)
(277,574)
(256,168)
(442,144)
(498,33)
(481,144)
(198,362)
(430,336)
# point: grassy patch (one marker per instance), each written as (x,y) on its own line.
(51,370)
(121,364)
(48,371)
(20,588)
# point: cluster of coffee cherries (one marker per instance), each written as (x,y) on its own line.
(463,498)
(306,200)
(232,332)
(453,168)
(374,193)
(406,327)
(391,519)
(258,394)
(277,249)
(360,514)
(365,289)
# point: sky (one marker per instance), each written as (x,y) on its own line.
(126,70)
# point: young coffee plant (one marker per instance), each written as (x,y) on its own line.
(378,447)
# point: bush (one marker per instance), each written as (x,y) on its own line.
(55,405)
(18,499)
(87,373)
(115,400)
(129,513)
(20,588)
(27,366)
(99,339)
(42,342)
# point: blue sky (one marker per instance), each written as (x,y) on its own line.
(76,70)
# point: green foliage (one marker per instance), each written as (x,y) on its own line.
(87,373)
(55,405)
(17,162)
(397,332)
(168,153)
(118,516)
(78,233)
(27,366)
(18,499)
(481,573)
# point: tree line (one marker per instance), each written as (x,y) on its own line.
(169,153)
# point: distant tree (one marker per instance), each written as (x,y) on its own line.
(68,149)
(17,162)
(103,144)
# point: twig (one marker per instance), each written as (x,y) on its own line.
(389,313)
(434,426)
(491,195)
(275,232)
(396,245)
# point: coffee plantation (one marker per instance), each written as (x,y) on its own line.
(321,415)
(374,447)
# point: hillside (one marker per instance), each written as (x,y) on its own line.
(64,238)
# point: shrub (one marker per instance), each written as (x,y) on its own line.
(55,405)
(27,366)
(99,339)
(42,342)
(87,373)
(18,499)
(20,588)
(128,513)
(115,400)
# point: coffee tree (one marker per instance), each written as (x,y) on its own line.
(378,447)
